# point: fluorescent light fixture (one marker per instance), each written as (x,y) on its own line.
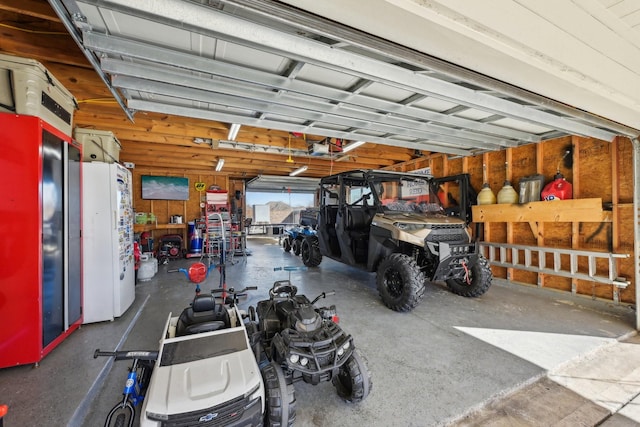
(299,170)
(354,144)
(219,165)
(233,132)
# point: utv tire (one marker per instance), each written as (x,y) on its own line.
(311,256)
(400,282)
(280,397)
(286,244)
(296,246)
(353,382)
(480,280)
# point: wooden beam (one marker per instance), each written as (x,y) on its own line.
(35,8)
(578,210)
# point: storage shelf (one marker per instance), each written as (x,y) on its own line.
(578,210)
(138,228)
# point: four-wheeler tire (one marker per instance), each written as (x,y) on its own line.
(280,396)
(311,256)
(479,280)
(286,244)
(400,282)
(353,382)
(296,246)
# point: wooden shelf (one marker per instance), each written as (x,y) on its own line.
(138,228)
(578,210)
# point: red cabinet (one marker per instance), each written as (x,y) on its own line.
(40,255)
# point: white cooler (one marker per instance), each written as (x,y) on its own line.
(98,145)
(26,87)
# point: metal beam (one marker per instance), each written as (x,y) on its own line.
(202,20)
(309,22)
(68,22)
(219,116)
(250,98)
(181,61)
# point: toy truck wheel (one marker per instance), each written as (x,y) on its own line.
(311,256)
(400,282)
(478,282)
(353,382)
(120,421)
(280,397)
(286,244)
(296,246)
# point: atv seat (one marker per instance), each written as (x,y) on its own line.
(202,316)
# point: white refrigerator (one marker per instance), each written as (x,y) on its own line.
(107,235)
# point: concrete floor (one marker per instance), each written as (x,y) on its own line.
(517,356)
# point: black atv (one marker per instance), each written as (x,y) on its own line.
(302,342)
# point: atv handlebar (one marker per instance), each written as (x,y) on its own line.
(196,273)
(291,268)
(233,291)
(323,295)
(127,355)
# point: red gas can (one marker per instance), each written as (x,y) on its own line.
(558,189)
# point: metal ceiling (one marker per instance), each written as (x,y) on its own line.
(265,64)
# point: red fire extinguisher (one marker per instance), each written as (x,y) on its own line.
(558,189)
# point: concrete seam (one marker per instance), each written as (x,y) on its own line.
(82,410)
(491,399)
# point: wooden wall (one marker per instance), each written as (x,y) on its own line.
(189,209)
(595,168)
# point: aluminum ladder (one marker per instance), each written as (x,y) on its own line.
(521,257)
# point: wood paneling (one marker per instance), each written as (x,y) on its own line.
(601,173)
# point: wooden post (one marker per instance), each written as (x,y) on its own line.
(575,226)
(508,175)
(540,228)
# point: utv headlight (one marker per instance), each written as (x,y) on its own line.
(304,361)
(340,351)
(346,345)
(408,227)
(294,358)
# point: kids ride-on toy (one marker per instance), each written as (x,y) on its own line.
(303,342)
(206,373)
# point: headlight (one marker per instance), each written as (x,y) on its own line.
(157,417)
(340,351)
(408,227)
(294,358)
(254,396)
(304,361)
(346,345)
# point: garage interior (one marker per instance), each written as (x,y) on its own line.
(534,89)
